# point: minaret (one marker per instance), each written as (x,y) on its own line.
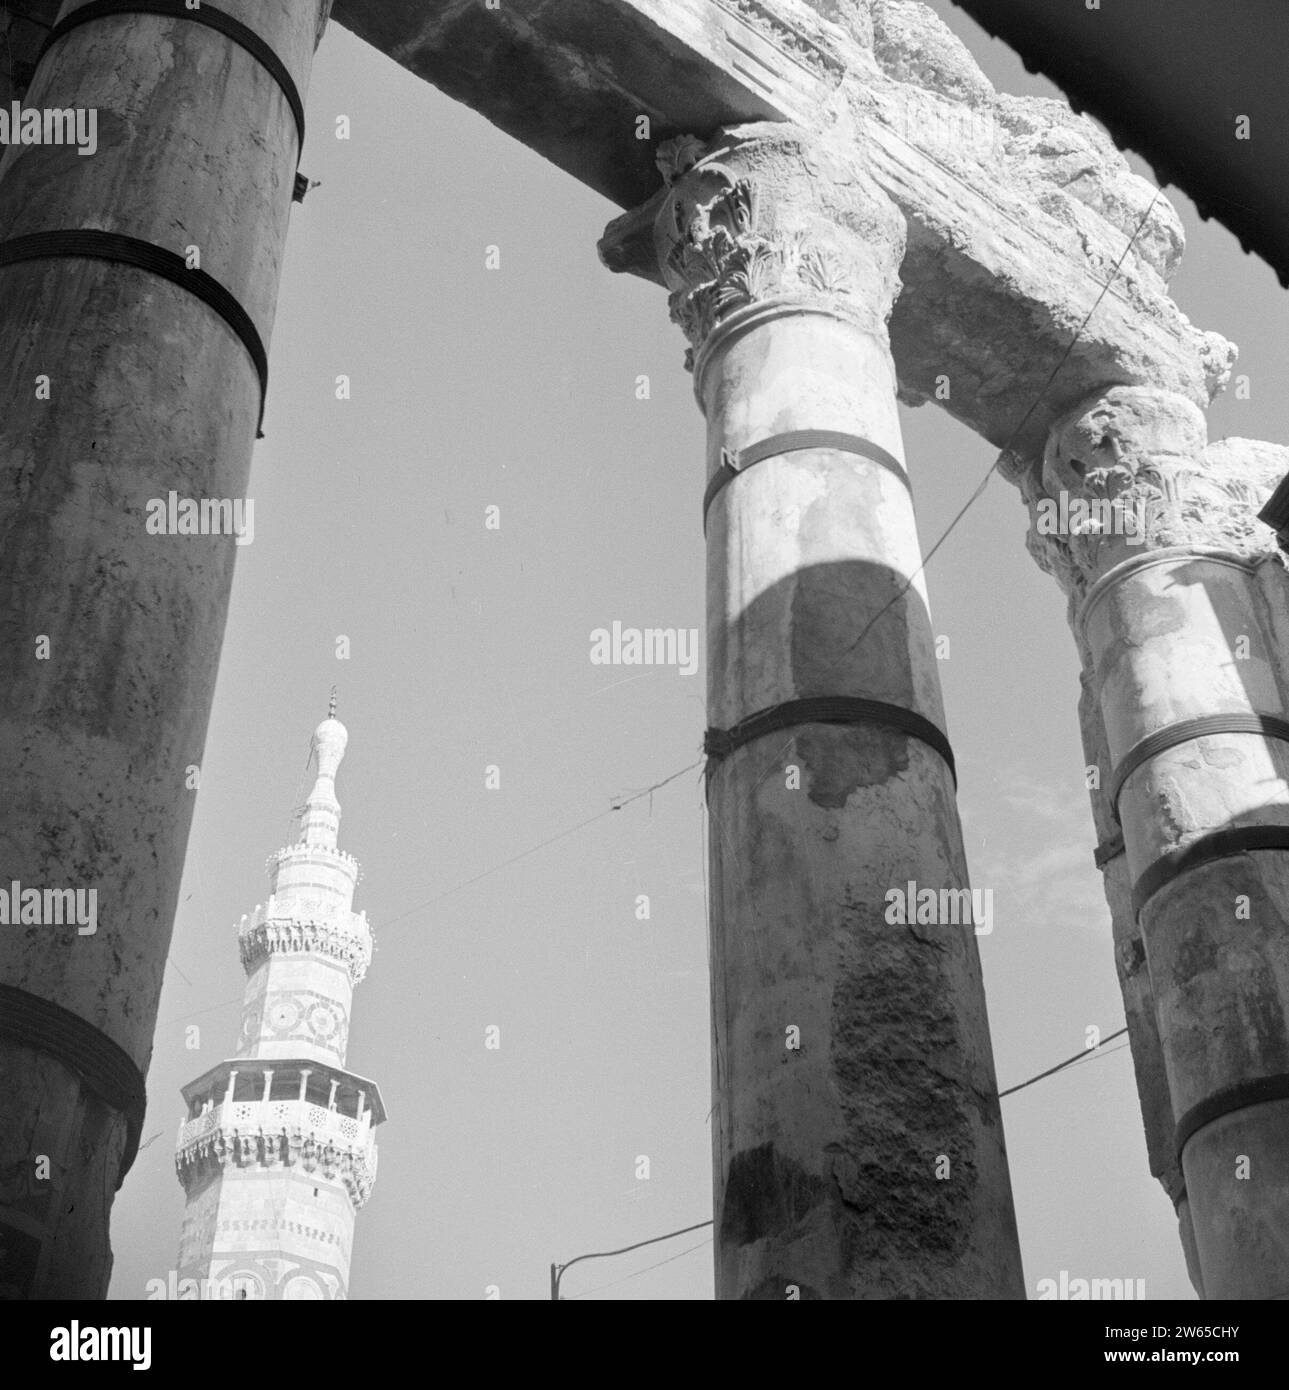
(277,1151)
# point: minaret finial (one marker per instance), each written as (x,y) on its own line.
(320,815)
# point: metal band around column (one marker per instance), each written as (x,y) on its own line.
(1221,844)
(1226,1102)
(208,15)
(732,464)
(128,250)
(106,1069)
(1265,725)
(827,709)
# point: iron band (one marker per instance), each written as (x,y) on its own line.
(1265,725)
(106,1070)
(1221,844)
(794,440)
(827,709)
(1226,1102)
(212,18)
(128,250)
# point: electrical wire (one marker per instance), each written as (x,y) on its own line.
(1069,1062)
(619,804)
(637,1273)
(523,854)
(1087,1055)
(622,1250)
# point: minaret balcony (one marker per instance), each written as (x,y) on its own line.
(283,1134)
(343,936)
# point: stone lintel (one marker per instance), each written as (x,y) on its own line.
(571,79)
(992,302)
(995,286)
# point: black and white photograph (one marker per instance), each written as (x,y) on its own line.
(644,657)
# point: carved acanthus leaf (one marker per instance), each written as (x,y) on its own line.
(1132,472)
(727,238)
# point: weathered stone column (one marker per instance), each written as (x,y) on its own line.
(1153,1094)
(1178,600)
(857,1140)
(127,373)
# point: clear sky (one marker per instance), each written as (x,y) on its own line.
(516,388)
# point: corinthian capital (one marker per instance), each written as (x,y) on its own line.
(772,212)
(1131,470)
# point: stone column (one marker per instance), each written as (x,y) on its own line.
(858,1146)
(1179,601)
(1153,1094)
(125,377)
